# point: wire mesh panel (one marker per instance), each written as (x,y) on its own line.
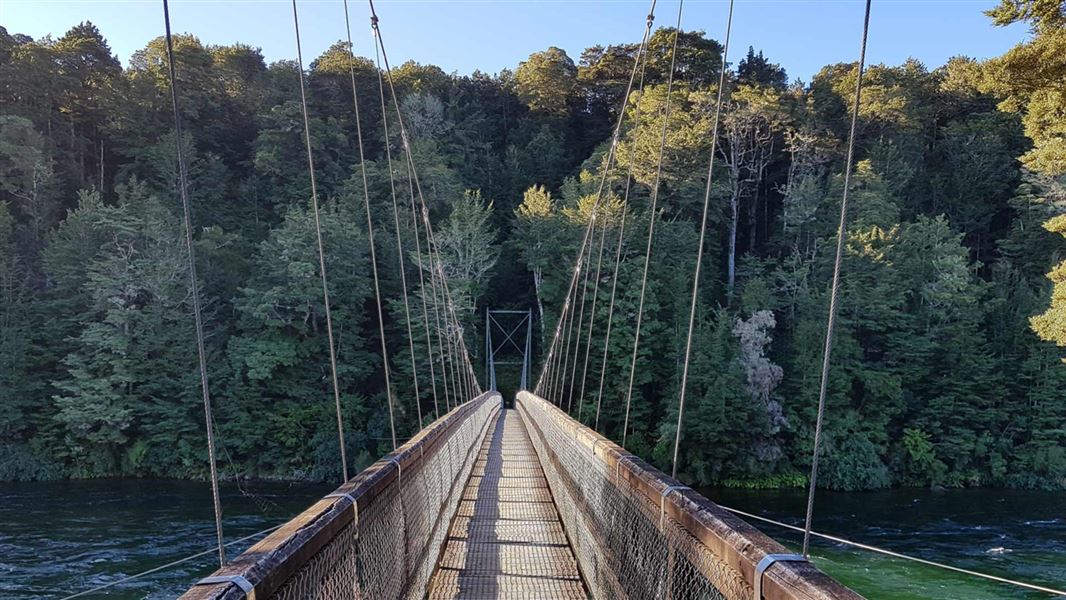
(640,534)
(329,574)
(377,536)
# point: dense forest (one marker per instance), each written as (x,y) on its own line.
(945,371)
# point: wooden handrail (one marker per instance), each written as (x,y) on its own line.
(270,563)
(729,539)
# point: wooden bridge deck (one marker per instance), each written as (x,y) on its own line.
(507,540)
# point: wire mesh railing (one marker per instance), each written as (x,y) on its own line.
(377,536)
(638,533)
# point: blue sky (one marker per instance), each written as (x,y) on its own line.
(464,35)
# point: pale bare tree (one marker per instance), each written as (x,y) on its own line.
(751,124)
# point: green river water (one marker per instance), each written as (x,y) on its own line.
(64,537)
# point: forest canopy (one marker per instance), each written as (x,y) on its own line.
(945,368)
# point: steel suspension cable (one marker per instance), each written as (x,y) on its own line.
(464,356)
(444,342)
(568,326)
(621,237)
(447,369)
(456,343)
(699,248)
(407,312)
(834,289)
(418,216)
(437,276)
(369,226)
(651,223)
(395,214)
(433,289)
(318,240)
(415,215)
(194,288)
(414,218)
(461,360)
(407,147)
(560,380)
(170,564)
(464,362)
(875,549)
(599,195)
(554,360)
(592,321)
(455,353)
(556,365)
(549,369)
(564,339)
(436,279)
(466,366)
(580,324)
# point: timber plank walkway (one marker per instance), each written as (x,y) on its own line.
(507,540)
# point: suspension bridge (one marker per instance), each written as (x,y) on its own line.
(496,502)
(512,501)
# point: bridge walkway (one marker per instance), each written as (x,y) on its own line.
(507,540)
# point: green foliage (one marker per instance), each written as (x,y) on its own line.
(852,462)
(769,482)
(1051,325)
(1028,79)
(19,463)
(1042,13)
(279,357)
(936,378)
(130,375)
(545,81)
(466,242)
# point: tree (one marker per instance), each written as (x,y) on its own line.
(719,415)
(542,161)
(279,358)
(1051,325)
(1028,79)
(545,81)
(752,126)
(128,402)
(534,238)
(980,152)
(754,69)
(699,59)
(1043,13)
(27,176)
(90,72)
(688,133)
(466,244)
(944,268)
(15,397)
(763,377)
(280,158)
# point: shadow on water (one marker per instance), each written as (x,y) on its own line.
(1016,534)
(58,538)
